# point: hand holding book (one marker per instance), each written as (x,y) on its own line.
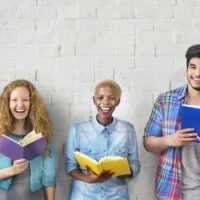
(190,118)
(91,177)
(180,138)
(113,164)
(19,166)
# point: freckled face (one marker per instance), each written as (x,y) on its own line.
(105,100)
(20,103)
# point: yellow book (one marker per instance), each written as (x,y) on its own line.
(116,164)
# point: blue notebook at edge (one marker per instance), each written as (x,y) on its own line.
(190,118)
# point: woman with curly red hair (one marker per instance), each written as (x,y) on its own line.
(21,111)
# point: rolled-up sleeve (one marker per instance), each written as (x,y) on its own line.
(133,157)
(71,145)
(49,168)
(153,127)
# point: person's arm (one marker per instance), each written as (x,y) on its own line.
(156,144)
(77,174)
(179,138)
(50,192)
(153,139)
(71,145)
(18,167)
(6,173)
(133,157)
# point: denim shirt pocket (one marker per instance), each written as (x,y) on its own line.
(122,152)
(92,153)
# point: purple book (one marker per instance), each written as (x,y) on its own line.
(15,150)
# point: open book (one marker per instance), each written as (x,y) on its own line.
(30,147)
(190,118)
(116,164)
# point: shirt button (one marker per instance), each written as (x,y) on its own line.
(104,150)
(102,188)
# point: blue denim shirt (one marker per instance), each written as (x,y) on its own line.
(42,168)
(97,141)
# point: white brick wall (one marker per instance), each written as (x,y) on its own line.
(66,46)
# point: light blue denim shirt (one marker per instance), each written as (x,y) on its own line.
(90,137)
(42,168)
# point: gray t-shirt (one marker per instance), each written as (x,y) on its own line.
(20,189)
(190,188)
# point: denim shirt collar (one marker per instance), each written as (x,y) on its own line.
(101,128)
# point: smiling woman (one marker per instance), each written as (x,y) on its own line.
(21,111)
(106,98)
(106,101)
(100,136)
(20,103)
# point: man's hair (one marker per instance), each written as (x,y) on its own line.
(111,84)
(192,52)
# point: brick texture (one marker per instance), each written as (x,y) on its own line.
(65,46)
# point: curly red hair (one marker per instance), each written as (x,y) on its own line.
(38,114)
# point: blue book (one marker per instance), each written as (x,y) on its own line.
(190,118)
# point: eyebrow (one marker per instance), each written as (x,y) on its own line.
(192,64)
(14,97)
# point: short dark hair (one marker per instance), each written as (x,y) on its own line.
(193,51)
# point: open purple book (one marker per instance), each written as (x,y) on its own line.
(30,148)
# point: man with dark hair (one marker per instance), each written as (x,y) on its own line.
(192,51)
(178,171)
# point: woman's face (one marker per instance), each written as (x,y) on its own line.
(105,100)
(20,103)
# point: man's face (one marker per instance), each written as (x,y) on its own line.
(193,73)
(105,100)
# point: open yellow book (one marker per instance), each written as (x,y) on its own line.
(116,164)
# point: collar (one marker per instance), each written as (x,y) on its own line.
(100,128)
(182,92)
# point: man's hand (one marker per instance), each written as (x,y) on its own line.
(91,177)
(181,137)
(19,166)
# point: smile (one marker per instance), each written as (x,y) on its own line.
(20,111)
(105,110)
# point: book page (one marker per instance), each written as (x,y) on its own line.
(31,137)
(108,158)
(118,166)
(30,140)
(192,106)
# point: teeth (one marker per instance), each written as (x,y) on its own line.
(19,110)
(105,108)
